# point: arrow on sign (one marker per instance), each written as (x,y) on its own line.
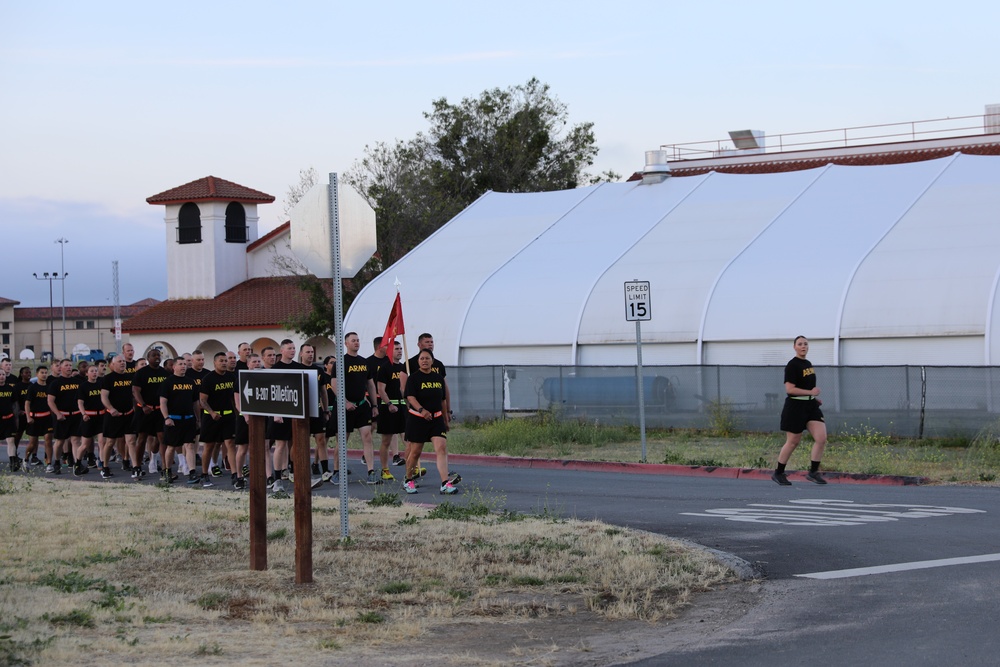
(247,391)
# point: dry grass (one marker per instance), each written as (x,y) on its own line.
(108,573)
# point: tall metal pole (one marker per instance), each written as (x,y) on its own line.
(52,317)
(62,241)
(118,310)
(338,337)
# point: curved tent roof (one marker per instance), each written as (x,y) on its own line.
(876,264)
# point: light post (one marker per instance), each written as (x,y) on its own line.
(50,277)
(62,241)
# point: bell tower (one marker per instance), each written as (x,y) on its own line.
(210,222)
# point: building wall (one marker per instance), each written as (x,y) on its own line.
(210,342)
(8,338)
(206,269)
(94,332)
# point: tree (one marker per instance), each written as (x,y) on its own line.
(507,140)
(307,179)
(516,139)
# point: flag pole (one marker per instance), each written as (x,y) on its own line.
(406,353)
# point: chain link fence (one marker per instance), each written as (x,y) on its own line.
(907,401)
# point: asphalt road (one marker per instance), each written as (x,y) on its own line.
(852,574)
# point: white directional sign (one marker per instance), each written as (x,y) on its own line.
(273,393)
(637,307)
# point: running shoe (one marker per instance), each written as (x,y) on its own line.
(91,461)
(420,472)
(287,474)
(246,470)
(316,482)
(373,477)
(57,470)
(398,460)
(277,487)
(335,478)
(50,468)
(815,477)
(448,488)
(15,464)
(327,476)
(106,473)
(34,460)
(193,478)
(780,478)
(80,469)
(216,471)
(240,484)
(410,486)
(206,482)
(270,483)
(315,469)
(387,476)
(454,478)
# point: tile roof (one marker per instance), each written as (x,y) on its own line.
(7,302)
(210,188)
(83,312)
(254,304)
(277,231)
(778,164)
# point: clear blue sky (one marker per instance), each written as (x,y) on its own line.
(106,103)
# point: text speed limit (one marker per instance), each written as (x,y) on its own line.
(637,308)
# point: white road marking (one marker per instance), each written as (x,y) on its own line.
(900,567)
(827,512)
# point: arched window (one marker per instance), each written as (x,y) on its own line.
(236,223)
(189,224)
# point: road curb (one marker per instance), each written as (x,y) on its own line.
(717,472)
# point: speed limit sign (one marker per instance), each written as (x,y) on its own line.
(637,307)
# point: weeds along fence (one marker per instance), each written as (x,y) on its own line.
(907,401)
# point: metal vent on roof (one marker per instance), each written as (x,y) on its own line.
(992,119)
(656,170)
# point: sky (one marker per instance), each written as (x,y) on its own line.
(107,103)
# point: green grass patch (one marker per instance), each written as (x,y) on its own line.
(371,617)
(397,587)
(78,617)
(385,499)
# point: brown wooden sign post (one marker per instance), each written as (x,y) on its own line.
(286,395)
(303,502)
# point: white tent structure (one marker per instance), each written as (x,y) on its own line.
(886,264)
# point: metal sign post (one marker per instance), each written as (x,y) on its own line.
(637,309)
(338,339)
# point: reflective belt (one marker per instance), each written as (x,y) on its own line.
(221,412)
(39,414)
(176,417)
(802,398)
(433,414)
(94,413)
(10,416)
(399,402)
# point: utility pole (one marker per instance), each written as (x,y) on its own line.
(118,310)
(62,241)
(50,277)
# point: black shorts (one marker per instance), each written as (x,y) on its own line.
(317,425)
(241,431)
(41,427)
(796,414)
(64,429)
(359,417)
(420,430)
(117,427)
(390,423)
(279,430)
(219,430)
(150,424)
(92,427)
(181,432)
(8,426)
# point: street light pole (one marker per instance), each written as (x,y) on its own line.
(62,241)
(50,277)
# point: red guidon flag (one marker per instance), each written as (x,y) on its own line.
(394,326)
